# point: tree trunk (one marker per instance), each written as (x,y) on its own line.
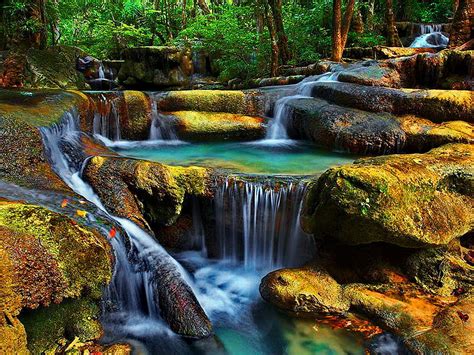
(369,20)
(203,6)
(276,7)
(336,31)
(392,34)
(461,29)
(340,29)
(260,30)
(275,55)
(358,22)
(183,15)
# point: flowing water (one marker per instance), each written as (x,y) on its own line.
(106,119)
(430,37)
(162,126)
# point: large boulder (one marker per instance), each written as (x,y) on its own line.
(50,262)
(414,200)
(342,128)
(54,67)
(145,192)
(435,105)
(157,67)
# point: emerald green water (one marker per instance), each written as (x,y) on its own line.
(286,158)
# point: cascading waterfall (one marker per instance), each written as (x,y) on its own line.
(162,126)
(132,293)
(431,36)
(106,119)
(257,223)
(277,129)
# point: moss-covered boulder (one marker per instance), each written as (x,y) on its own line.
(199,126)
(51,262)
(411,200)
(356,131)
(383,52)
(239,102)
(54,67)
(372,75)
(23,158)
(158,67)
(145,192)
(304,291)
(435,105)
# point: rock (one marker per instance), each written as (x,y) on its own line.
(144,192)
(238,102)
(360,132)
(415,200)
(157,67)
(373,75)
(320,67)
(22,156)
(199,126)
(382,52)
(435,105)
(48,258)
(304,291)
(359,53)
(54,67)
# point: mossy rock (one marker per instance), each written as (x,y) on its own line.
(145,192)
(435,105)
(199,126)
(238,102)
(54,67)
(304,291)
(416,200)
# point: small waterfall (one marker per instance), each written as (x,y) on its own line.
(107,118)
(101,71)
(131,297)
(258,223)
(430,37)
(278,127)
(162,126)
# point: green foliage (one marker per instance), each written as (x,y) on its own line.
(428,11)
(368,39)
(229,37)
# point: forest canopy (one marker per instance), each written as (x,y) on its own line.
(241,35)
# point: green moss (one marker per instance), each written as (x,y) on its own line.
(83,256)
(47,328)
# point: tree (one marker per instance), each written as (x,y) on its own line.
(340,28)
(276,8)
(392,34)
(461,28)
(275,50)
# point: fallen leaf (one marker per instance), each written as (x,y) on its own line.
(112,232)
(81,213)
(64,203)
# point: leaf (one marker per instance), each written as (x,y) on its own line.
(64,203)
(112,232)
(81,213)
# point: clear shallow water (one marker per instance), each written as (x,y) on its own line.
(280,157)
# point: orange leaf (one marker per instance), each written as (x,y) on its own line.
(64,203)
(112,232)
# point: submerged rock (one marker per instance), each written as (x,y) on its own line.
(201,126)
(414,200)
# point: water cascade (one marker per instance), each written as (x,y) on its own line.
(162,126)
(106,118)
(131,296)
(430,37)
(277,130)
(257,223)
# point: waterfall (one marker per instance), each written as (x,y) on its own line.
(101,71)
(132,291)
(162,126)
(106,119)
(430,37)
(258,223)
(278,128)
